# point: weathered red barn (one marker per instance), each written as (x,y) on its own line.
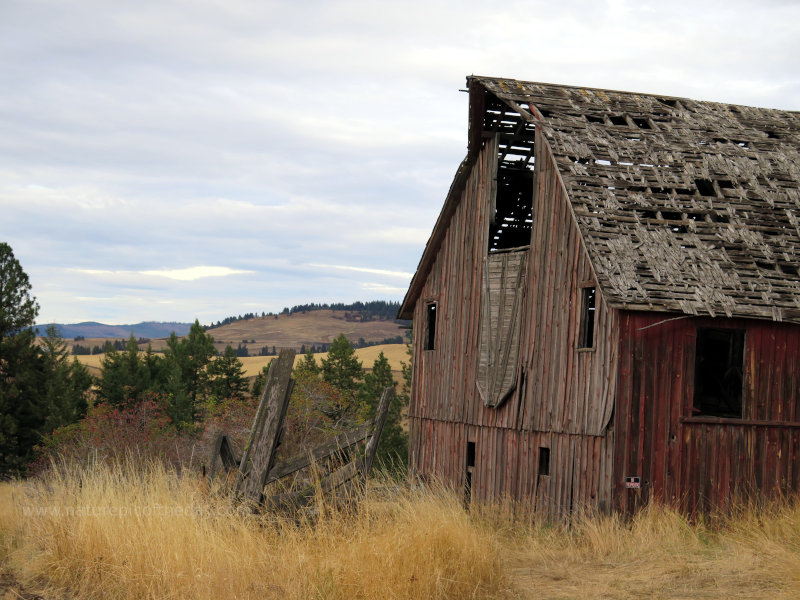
(608,308)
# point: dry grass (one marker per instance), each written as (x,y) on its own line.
(132,533)
(661,554)
(170,537)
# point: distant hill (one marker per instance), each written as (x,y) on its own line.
(317,328)
(92,329)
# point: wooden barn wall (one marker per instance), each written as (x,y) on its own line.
(561,389)
(506,465)
(566,389)
(697,463)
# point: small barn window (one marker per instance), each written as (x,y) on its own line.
(586,339)
(511,223)
(430,326)
(718,368)
(468,475)
(544,460)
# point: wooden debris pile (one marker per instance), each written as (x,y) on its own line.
(257,468)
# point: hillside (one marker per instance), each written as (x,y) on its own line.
(312,328)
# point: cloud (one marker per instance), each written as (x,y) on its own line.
(193,273)
(400,274)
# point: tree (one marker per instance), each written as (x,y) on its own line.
(260,381)
(341,368)
(393,447)
(188,378)
(125,378)
(22,413)
(66,383)
(228,380)
(308,365)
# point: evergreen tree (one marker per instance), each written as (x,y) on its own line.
(307,366)
(188,378)
(125,377)
(341,368)
(66,383)
(228,380)
(22,410)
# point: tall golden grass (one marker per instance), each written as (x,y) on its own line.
(130,532)
(127,531)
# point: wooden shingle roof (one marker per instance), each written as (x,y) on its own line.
(683,205)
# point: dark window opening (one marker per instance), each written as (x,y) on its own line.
(587,318)
(544,461)
(705,187)
(430,326)
(511,227)
(615,120)
(718,368)
(468,475)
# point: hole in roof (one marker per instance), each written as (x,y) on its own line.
(745,145)
(772,134)
(788,269)
(679,229)
(648,214)
(618,120)
(593,119)
(720,140)
(545,113)
(633,139)
(719,218)
(725,184)
(765,265)
(671,216)
(601,161)
(641,123)
(705,187)
(668,102)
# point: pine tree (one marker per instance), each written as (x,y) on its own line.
(188,378)
(341,368)
(307,366)
(22,410)
(228,381)
(66,383)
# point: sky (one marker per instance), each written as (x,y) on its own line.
(177,159)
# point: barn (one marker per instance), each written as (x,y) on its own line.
(608,308)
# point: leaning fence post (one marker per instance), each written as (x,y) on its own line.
(377,429)
(265,435)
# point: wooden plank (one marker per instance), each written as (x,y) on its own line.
(258,461)
(377,430)
(301,461)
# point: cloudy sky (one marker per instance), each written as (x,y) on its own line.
(172,159)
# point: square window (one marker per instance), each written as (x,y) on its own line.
(718,373)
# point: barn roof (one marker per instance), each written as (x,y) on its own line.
(683,205)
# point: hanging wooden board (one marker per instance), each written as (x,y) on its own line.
(501,303)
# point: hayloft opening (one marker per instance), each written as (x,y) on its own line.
(511,220)
(718,368)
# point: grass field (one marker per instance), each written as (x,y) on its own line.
(395,354)
(133,532)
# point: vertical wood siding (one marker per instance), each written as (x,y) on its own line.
(693,462)
(563,399)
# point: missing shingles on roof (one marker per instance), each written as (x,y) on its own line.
(705,187)
(617,120)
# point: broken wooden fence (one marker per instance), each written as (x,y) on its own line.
(257,467)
